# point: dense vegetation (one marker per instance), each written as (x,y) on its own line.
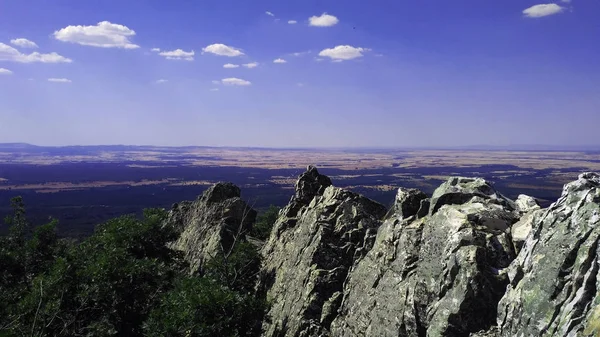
(123,281)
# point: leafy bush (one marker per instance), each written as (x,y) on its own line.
(201,307)
(122,281)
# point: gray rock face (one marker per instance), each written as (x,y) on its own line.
(458,190)
(437,275)
(317,240)
(526,204)
(554,281)
(408,203)
(210,223)
(521,229)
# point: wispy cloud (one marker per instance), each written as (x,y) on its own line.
(542,10)
(343,53)
(222,50)
(214,89)
(59,80)
(4,71)
(178,54)
(156,50)
(162,80)
(250,65)
(8,53)
(23,43)
(230,66)
(292,22)
(300,53)
(235,81)
(104,35)
(269,13)
(324,20)
(279,60)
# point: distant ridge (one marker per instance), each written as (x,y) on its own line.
(121,147)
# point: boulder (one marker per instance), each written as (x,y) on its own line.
(459,190)
(526,204)
(408,202)
(210,224)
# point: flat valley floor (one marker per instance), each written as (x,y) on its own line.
(83,186)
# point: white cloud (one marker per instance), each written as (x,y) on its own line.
(217,82)
(222,50)
(59,80)
(318,59)
(4,71)
(23,43)
(269,13)
(8,53)
(156,50)
(104,35)
(251,65)
(178,54)
(230,66)
(279,61)
(566,1)
(214,89)
(342,53)
(325,20)
(542,10)
(292,22)
(162,80)
(235,81)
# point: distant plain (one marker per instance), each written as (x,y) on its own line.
(83,186)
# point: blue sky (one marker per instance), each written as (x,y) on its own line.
(366,73)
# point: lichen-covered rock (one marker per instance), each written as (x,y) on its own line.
(526,204)
(209,224)
(554,280)
(314,244)
(459,190)
(310,184)
(520,230)
(433,276)
(408,202)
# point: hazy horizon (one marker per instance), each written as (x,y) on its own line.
(300,74)
(533,147)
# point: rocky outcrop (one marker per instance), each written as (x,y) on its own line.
(554,281)
(209,224)
(465,262)
(436,275)
(318,239)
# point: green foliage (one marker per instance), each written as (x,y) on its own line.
(201,307)
(237,269)
(264,223)
(122,281)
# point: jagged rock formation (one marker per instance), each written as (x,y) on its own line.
(317,240)
(465,262)
(437,275)
(554,281)
(209,224)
